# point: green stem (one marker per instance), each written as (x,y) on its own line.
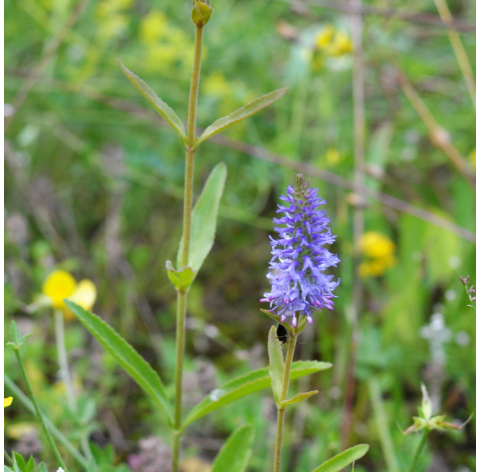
(40,417)
(419,450)
(188,196)
(64,367)
(469,298)
(281,410)
(63,359)
(19,395)
(381,418)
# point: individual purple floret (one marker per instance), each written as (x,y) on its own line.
(299,284)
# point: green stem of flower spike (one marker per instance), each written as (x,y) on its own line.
(188,197)
(40,417)
(419,450)
(281,410)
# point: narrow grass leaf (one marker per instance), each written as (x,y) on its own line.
(245,385)
(343,459)
(204,219)
(241,114)
(235,453)
(126,356)
(300,397)
(276,364)
(19,395)
(165,111)
(30,465)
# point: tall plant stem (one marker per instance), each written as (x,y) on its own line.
(40,417)
(358,221)
(64,367)
(281,410)
(419,450)
(188,195)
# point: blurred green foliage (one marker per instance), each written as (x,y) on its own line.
(97,190)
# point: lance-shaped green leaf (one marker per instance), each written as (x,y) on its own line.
(298,398)
(276,364)
(241,114)
(181,278)
(343,459)
(204,219)
(245,385)
(235,453)
(125,355)
(165,111)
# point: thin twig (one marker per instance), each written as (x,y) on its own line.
(439,136)
(358,224)
(278,159)
(458,48)
(414,17)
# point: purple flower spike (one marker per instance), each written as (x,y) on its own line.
(299,260)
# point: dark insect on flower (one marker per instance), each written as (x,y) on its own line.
(282,335)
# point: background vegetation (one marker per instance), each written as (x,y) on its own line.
(93,185)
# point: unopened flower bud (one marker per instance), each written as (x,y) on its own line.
(201,13)
(464,280)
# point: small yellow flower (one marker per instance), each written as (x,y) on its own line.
(85,294)
(378,251)
(376,245)
(60,284)
(7,402)
(333,156)
(324,37)
(342,45)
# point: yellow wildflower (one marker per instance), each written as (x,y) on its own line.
(324,37)
(378,251)
(60,284)
(85,294)
(341,45)
(7,402)
(333,156)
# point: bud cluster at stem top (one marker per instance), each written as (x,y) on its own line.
(299,284)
